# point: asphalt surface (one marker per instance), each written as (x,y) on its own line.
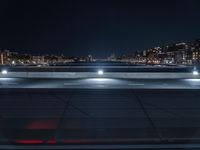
(74,116)
(100,83)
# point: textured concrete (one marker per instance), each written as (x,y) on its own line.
(89,116)
(135,75)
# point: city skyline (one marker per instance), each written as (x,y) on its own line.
(112,50)
(185,53)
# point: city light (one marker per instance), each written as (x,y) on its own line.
(4,72)
(195,72)
(13,62)
(100,72)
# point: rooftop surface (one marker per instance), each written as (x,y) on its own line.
(99,116)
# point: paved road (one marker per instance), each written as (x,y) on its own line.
(99,116)
(101,83)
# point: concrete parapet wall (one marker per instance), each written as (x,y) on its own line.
(73,75)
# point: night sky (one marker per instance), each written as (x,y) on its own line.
(97,27)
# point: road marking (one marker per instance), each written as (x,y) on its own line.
(67,84)
(137,84)
(10,83)
(100,85)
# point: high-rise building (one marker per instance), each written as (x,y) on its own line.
(89,58)
(1,58)
(5,57)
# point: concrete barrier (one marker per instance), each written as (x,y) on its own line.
(74,75)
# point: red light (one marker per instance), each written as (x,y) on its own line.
(30,141)
(79,141)
(51,141)
(42,124)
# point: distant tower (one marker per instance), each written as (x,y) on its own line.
(112,57)
(89,58)
(42,60)
(2,59)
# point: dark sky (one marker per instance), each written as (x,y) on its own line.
(98,27)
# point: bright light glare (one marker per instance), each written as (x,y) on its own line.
(100,81)
(8,79)
(96,80)
(4,72)
(100,72)
(195,73)
(192,80)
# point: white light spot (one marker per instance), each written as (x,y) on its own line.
(192,80)
(100,81)
(195,73)
(100,72)
(4,72)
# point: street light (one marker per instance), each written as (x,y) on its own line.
(4,72)
(195,72)
(100,72)
(13,62)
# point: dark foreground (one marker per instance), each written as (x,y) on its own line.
(112,116)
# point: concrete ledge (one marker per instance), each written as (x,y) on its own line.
(74,75)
